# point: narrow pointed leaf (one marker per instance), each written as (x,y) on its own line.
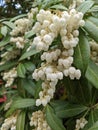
(29,86)
(82,53)
(21,70)
(7,65)
(20,124)
(5,41)
(28,54)
(23,103)
(85,6)
(69,110)
(91,26)
(92,74)
(94,127)
(53,121)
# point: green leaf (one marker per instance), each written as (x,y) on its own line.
(92,74)
(32,52)
(38,89)
(21,70)
(9,24)
(94,127)
(23,103)
(82,53)
(29,86)
(29,66)
(58,6)
(48,3)
(93,9)
(69,110)
(5,41)
(4,30)
(29,34)
(91,26)
(85,6)
(10,112)
(20,124)
(18,17)
(53,121)
(7,65)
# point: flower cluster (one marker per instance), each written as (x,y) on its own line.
(94,51)
(9,77)
(57,62)
(49,25)
(9,123)
(38,121)
(22,26)
(7,106)
(80,123)
(20,42)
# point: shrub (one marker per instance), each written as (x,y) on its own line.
(49,67)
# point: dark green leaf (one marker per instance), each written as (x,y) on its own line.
(29,86)
(82,53)
(29,66)
(91,26)
(53,121)
(92,74)
(85,6)
(69,110)
(7,65)
(21,70)
(94,127)
(5,41)
(38,88)
(23,103)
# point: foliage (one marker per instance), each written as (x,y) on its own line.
(73,99)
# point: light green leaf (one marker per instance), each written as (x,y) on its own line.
(85,6)
(20,124)
(21,70)
(4,30)
(5,41)
(58,6)
(23,103)
(29,34)
(69,110)
(7,65)
(93,9)
(48,3)
(9,24)
(53,121)
(18,17)
(92,74)
(94,127)
(91,26)
(29,86)
(32,52)
(82,53)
